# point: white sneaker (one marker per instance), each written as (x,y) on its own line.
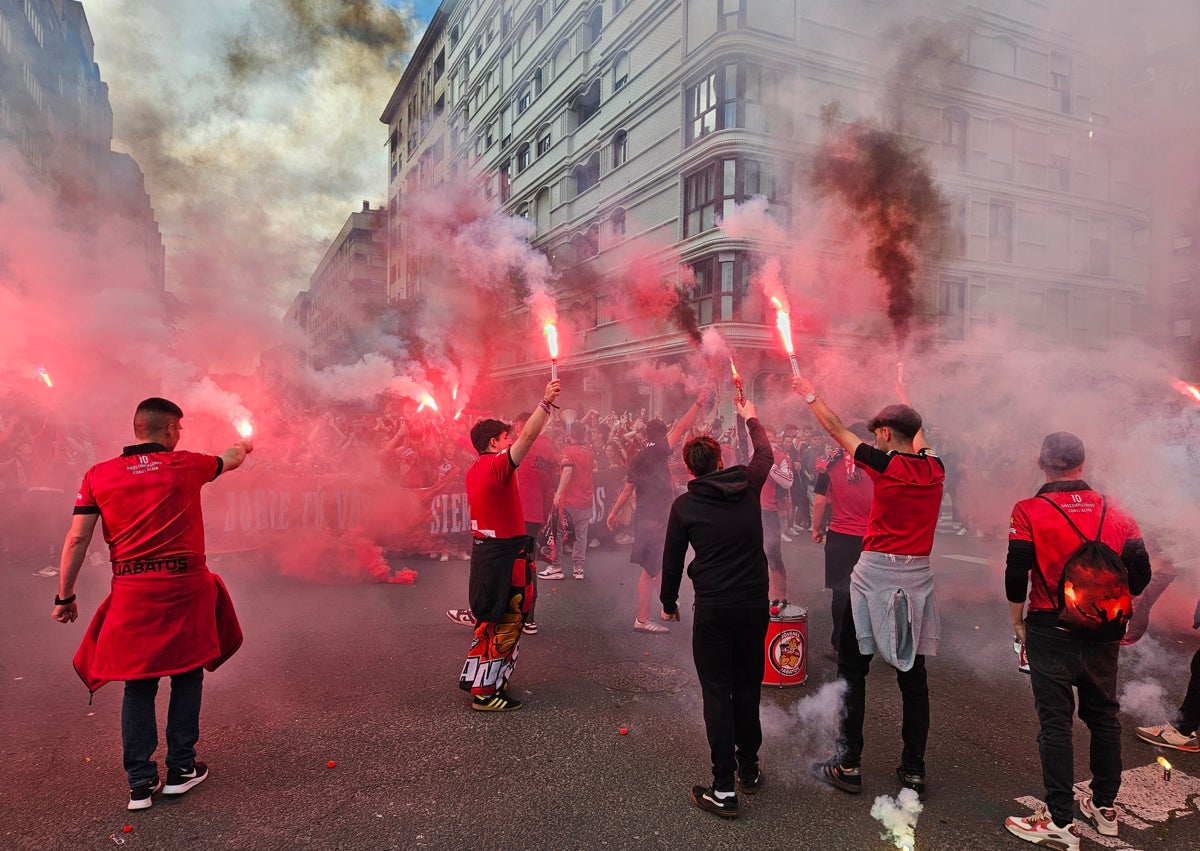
(783,536)
(579,573)
(551,572)
(1040,829)
(1165,735)
(1105,818)
(791,610)
(48,570)
(648,626)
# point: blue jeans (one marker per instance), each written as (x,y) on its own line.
(1059,663)
(139,728)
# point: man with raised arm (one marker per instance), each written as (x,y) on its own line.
(891,610)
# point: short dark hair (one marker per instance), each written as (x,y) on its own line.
(702,455)
(1061,451)
(577,431)
(656,430)
(485,431)
(153,415)
(899,418)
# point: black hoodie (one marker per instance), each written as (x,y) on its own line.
(720,517)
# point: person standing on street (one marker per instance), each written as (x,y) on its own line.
(167,615)
(1046,534)
(500,588)
(575,493)
(892,610)
(649,478)
(721,519)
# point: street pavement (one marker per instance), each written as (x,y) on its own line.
(365,676)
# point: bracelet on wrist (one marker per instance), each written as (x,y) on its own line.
(64,602)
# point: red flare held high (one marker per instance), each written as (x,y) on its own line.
(427,402)
(1189,390)
(784,323)
(739,392)
(44,376)
(551,332)
(243,427)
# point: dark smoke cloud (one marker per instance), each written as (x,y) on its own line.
(889,187)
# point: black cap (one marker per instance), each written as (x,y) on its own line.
(1061,451)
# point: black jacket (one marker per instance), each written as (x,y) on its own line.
(720,517)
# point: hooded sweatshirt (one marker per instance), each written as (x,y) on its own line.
(720,517)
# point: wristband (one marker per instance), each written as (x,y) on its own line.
(545,406)
(68,601)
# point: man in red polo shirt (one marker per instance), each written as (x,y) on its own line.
(1045,531)
(892,610)
(500,588)
(575,493)
(167,614)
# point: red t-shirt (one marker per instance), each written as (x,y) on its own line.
(494,498)
(1054,541)
(535,480)
(850,501)
(768,499)
(148,500)
(906,500)
(581,488)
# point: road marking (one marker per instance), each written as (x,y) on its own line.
(1145,800)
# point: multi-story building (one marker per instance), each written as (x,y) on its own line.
(347,291)
(54,111)
(620,123)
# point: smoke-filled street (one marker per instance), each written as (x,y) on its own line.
(364,676)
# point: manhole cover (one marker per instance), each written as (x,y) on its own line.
(639,677)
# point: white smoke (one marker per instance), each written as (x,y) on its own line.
(899,817)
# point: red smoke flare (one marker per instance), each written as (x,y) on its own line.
(1189,390)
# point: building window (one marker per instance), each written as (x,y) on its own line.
(617,220)
(722,283)
(587,175)
(586,105)
(620,148)
(1099,247)
(952,307)
(730,14)
(706,191)
(595,23)
(543,140)
(524,100)
(957,236)
(562,57)
(523,157)
(1060,82)
(537,81)
(1002,56)
(699,200)
(505,182)
(955,122)
(1002,147)
(738,94)
(1000,231)
(620,71)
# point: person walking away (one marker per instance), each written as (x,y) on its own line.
(1050,536)
(720,517)
(166,615)
(574,495)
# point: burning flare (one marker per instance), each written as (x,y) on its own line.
(551,332)
(739,391)
(783,321)
(427,402)
(243,427)
(1166,767)
(45,376)
(1189,390)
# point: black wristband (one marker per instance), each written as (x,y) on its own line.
(65,602)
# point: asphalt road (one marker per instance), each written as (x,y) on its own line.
(365,676)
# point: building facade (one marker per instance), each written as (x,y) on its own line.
(55,115)
(632,126)
(347,291)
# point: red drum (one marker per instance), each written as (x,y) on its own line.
(787,652)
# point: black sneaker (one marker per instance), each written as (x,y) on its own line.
(141,797)
(839,776)
(752,785)
(498,702)
(179,781)
(910,779)
(706,799)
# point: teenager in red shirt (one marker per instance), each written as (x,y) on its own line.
(574,495)
(501,582)
(167,614)
(894,565)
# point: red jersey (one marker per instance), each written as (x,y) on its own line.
(581,488)
(494,498)
(535,480)
(1054,541)
(849,492)
(906,500)
(148,500)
